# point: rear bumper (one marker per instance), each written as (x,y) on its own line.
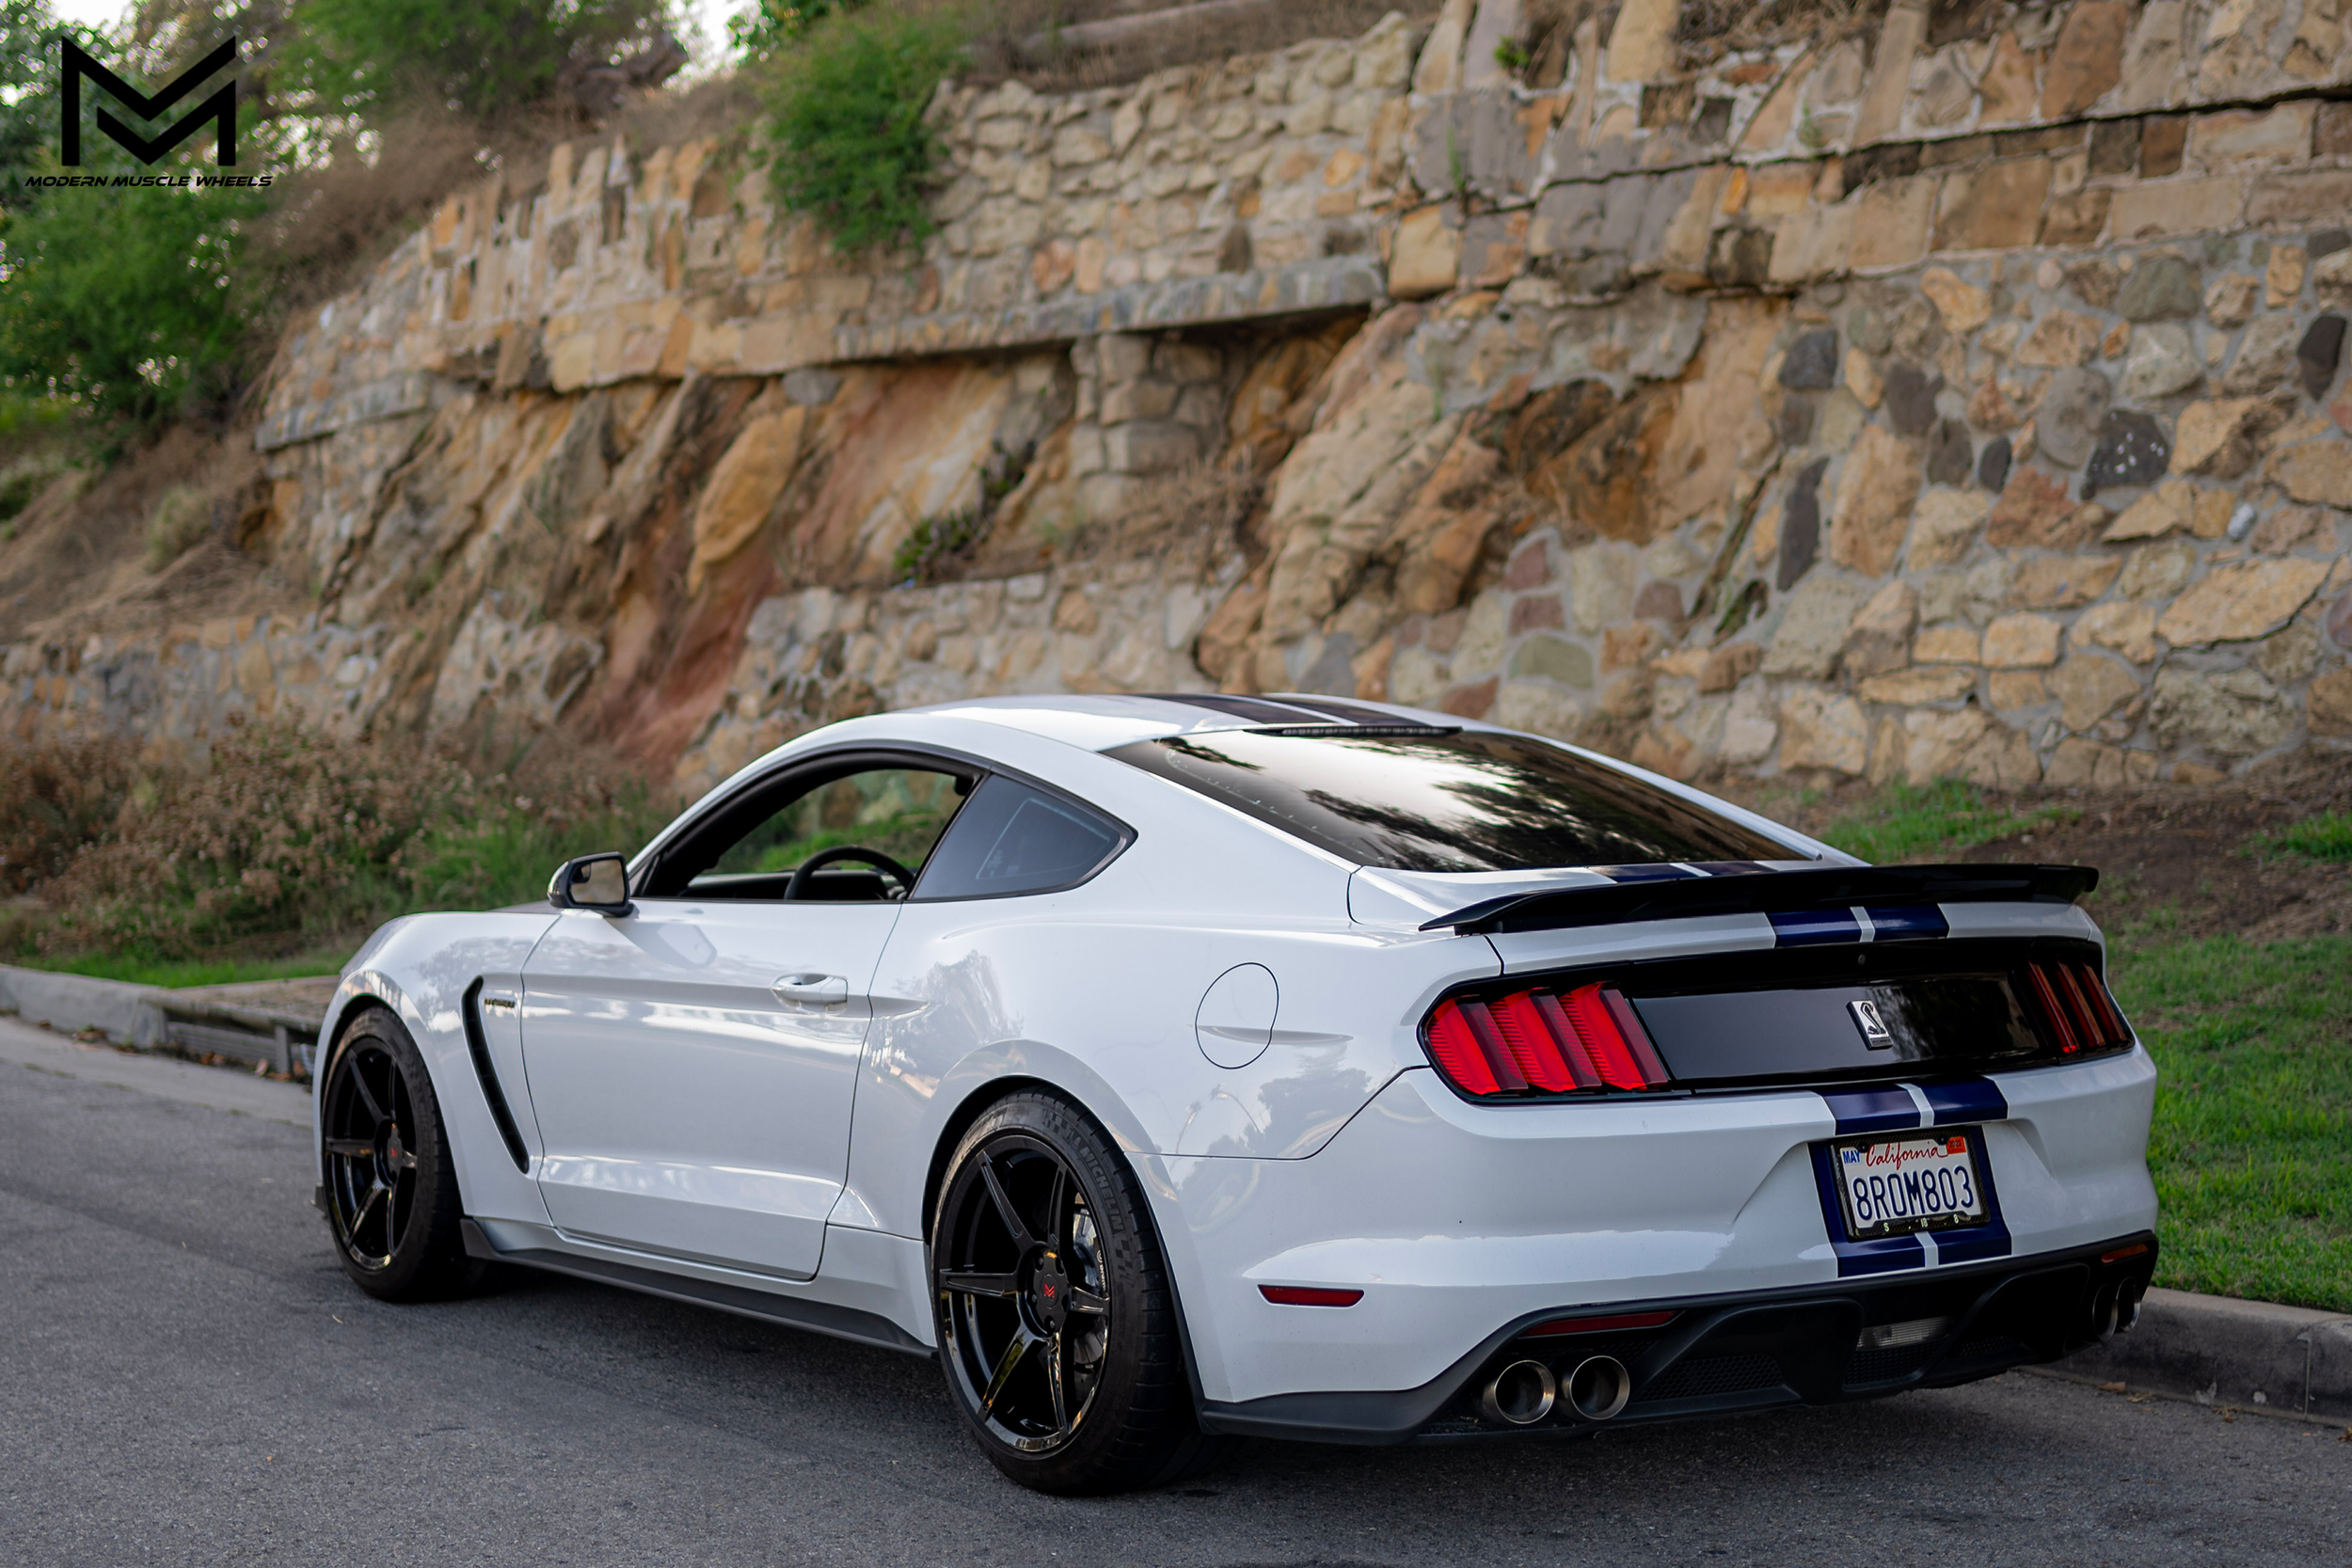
(1725,1354)
(1457,1220)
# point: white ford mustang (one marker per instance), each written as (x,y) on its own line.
(1187,1067)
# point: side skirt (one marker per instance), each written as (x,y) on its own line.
(817,1317)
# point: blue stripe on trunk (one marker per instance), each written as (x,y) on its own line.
(1872,1111)
(1907,922)
(1814,927)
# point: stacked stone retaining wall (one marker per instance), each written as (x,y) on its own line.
(1960,396)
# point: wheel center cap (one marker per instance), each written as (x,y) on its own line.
(387,1156)
(1049,1292)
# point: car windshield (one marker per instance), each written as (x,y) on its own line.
(1448,801)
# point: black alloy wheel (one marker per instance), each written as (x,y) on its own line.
(391,1189)
(1057,1321)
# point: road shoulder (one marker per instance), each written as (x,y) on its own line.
(21,1045)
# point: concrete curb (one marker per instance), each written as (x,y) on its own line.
(123,1012)
(226,1019)
(2253,1355)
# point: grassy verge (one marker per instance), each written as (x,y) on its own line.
(2251,1147)
(1905,821)
(177,972)
(2252,1143)
(2317,838)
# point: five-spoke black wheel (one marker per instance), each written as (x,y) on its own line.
(391,1191)
(1057,1323)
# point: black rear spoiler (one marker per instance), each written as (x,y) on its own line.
(1767,892)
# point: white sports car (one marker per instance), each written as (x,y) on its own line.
(1185,1067)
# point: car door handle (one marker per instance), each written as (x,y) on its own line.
(822,989)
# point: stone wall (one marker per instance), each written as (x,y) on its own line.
(1960,397)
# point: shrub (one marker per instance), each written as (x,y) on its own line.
(120,299)
(850,140)
(290,840)
(772,25)
(57,798)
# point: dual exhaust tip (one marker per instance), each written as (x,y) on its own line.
(2115,1309)
(1525,1392)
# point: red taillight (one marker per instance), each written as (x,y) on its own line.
(1545,1041)
(1309,1295)
(2074,1002)
(1597,1325)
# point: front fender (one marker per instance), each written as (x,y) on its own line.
(420,967)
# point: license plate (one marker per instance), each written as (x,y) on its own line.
(1895,1186)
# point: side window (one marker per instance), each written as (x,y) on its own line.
(1010,839)
(881,820)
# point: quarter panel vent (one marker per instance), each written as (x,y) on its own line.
(478,1046)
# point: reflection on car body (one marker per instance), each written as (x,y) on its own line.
(1183,1067)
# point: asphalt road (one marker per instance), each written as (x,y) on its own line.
(185,1376)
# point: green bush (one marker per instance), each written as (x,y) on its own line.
(122,300)
(849,142)
(772,25)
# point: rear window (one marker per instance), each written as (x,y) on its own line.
(1460,802)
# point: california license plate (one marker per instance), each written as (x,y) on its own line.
(1895,1186)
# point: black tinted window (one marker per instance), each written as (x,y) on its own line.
(1009,838)
(1464,801)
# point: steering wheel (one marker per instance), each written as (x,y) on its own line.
(798,887)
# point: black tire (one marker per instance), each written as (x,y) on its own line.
(1058,1324)
(391,1188)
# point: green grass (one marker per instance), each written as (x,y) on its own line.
(1905,821)
(2319,838)
(2252,1144)
(177,972)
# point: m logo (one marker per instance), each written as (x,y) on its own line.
(221,108)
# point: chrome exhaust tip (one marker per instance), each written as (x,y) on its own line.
(2104,1315)
(2127,1305)
(1600,1387)
(1519,1395)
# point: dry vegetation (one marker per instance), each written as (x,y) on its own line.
(1045,42)
(283,841)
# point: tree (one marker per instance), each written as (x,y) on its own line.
(123,300)
(486,58)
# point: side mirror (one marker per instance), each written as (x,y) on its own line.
(598,882)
